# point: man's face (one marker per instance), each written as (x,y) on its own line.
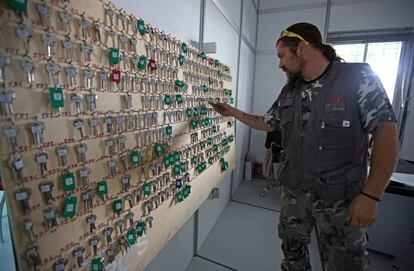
(289,62)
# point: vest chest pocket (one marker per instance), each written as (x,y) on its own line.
(336,133)
(286,111)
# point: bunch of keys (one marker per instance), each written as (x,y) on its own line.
(87,51)
(16,164)
(62,152)
(89,74)
(78,124)
(103,79)
(44,12)
(121,142)
(110,13)
(130,217)
(49,41)
(6,99)
(77,99)
(84,173)
(46,187)
(28,226)
(110,252)
(93,242)
(69,47)
(72,73)
(81,150)
(50,217)
(87,198)
(111,147)
(109,124)
(91,99)
(125,246)
(10,132)
(128,100)
(130,199)
(53,69)
(126,182)
(93,125)
(60,264)
(41,159)
(85,25)
(107,232)
(78,255)
(23,195)
(112,167)
(120,226)
(33,256)
(97,28)
(24,33)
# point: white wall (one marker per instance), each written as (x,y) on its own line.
(249,22)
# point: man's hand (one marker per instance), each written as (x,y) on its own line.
(224,109)
(362,212)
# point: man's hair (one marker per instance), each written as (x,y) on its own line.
(311,34)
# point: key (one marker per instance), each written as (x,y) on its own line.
(10,132)
(4,61)
(66,19)
(112,167)
(123,161)
(103,77)
(77,99)
(93,242)
(110,13)
(126,182)
(98,32)
(110,144)
(149,206)
(60,265)
(50,217)
(37,129)
(120,120)
(91,222)
(41,159)
(129,198)
(121,142)
(78,124)
(28,226)
(84,24)
(130,217)
(28,66)
(81,150)
(128,100)
(130,121)
(49,41)
(87,198)
(62,152)
(69,48)
(44,12)
(33,257)
(53,69)
(149,221)
(120,226)
(72,73)
(123,40)
(133,42)
(6,99)
(93,125)
(107,232)
(108,121)
(110,252)
(122,18)
(124,245)
(124,59)
(86,49)
(22,195)
(112,35)
(137,195)
(84,174)
(91,99)
(78,255)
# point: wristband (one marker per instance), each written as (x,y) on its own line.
(371,197)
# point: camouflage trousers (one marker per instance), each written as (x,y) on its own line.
(341,248)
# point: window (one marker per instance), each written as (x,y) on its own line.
(383,57)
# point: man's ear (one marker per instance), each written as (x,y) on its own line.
(300,49)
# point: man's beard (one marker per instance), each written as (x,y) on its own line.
(292,78)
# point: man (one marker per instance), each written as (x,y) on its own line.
(325,112)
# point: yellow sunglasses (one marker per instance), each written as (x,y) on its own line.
(289,34)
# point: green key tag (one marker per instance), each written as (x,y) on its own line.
(69,207)
(179,83)
(140,227)
(113,56)
(186,191)
(215,148)
(102,188)
(117,206)
(177,157)
(202,145)
(142,63)
(68,181)
(181,60)
(19,5)
(225,142)
(179,196)
(194,160)
(209,141)
(231,100)
(141,27)
(177,170)
(167,100)
(189,112)
(56,97)
(194,123)
(204,88)
(172,160)
(202,55)
(134,157)
(196,112)
(183,167)
(211,160)
(184,48)
(220,73)
(231,138)
(97,264)
(216,63)
(179,99)
(226,68)
(169,130)
(185,87)
(159,149)
(147,189)
(131,236)
(167,161)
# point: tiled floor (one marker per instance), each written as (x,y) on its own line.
(245,238)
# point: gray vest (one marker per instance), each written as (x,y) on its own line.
(329,154)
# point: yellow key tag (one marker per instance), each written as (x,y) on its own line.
(148,154)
